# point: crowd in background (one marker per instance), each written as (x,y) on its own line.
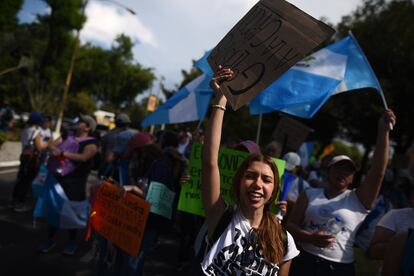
(134,159)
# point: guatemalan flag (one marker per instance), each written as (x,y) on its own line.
(188,104)
(305,87)
(60,212)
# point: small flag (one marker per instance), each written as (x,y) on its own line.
(188,104)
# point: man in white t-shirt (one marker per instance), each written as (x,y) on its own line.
(44,131)
(28,163)
(391,223)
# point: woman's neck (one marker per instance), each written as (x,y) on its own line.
(254,216)
(332,192)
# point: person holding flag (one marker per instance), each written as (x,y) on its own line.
(325,251)
(64,201)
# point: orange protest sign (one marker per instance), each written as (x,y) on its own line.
(121,220)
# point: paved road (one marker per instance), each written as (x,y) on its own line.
(19,240)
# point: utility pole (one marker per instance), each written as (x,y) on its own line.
(72,66)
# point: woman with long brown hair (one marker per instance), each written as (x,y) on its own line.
(252,240)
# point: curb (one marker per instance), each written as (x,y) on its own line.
(6,164)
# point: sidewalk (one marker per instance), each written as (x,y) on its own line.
(9,154)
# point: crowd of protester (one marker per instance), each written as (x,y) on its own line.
(376,217)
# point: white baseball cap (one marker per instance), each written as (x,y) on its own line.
(292,160)
(340,158)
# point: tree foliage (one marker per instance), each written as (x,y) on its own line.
(385,30)
(8,12)
(110,76)
(101,77)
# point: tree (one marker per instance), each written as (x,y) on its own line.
(111,77)
(80,103)
(384,30)
(8,14)
(107,77)
(48,43)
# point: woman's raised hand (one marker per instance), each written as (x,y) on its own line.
(387,120)
(222,75)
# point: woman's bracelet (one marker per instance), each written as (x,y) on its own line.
(222,107)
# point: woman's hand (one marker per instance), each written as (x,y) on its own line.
(130,189)
(282,206)
(185,178)
(222,75)
(55,152)
(320,239)
(387,121)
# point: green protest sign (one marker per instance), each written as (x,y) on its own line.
(161,199)
(228,161)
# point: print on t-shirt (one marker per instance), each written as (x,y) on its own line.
(242,257)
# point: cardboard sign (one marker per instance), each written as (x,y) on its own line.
(228,161)
(161,199)
(121,220)
(265,43)
(290,133)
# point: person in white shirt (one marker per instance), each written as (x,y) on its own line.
(328,254)
(252,242)
(390,225)
(44,138)
(29,163)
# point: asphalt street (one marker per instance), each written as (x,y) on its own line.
(20,237)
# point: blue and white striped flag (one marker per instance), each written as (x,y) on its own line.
(60,212)
(305,87)
(188,104)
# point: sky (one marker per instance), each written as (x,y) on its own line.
(169,34)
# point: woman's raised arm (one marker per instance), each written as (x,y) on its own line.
(213,203)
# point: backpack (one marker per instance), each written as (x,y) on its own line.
(64,166)
(30,156)
(221,226)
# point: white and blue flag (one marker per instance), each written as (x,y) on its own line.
(60,212)
(188,104)
(305,87)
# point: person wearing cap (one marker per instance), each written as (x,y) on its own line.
(124,134)
(74,183)
(293,182)
(29,163)
(122,123)
(119,161)
(323,253)
(299,184)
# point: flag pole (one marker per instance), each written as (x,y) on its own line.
(381,92)
(199,124)
(259,128)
